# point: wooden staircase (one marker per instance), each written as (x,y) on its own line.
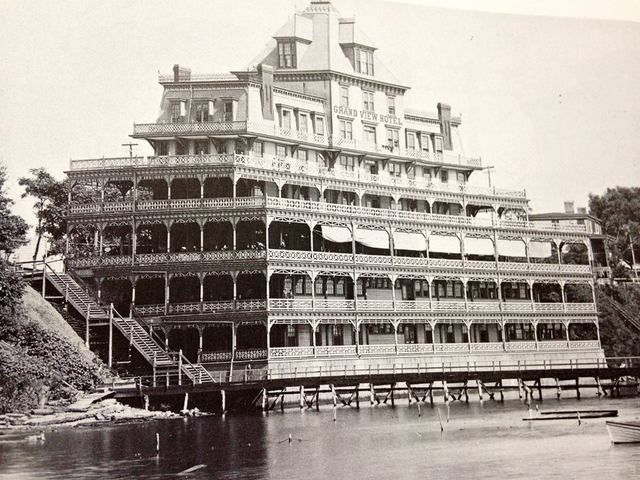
(624,312)
(139,337)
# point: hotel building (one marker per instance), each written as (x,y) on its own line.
(301,213)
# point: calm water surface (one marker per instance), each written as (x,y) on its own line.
(481,440)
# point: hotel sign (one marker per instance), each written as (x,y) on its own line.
(367,115)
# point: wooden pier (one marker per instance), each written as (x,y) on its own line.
(267,390)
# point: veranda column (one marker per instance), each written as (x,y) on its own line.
(395,334)
(167,281)
(566,326)
(462,250)
(535,333)
(393,290)
(201,224)
(233,337)
(133,296)
(465,280)
(168,226)
(530,283)
(201,277)
(233,225)
(526,251)
(468,324)
(134,242)
(268,325)
(314,326)
(234,277)
(564,304)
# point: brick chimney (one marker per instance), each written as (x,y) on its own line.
(181,74)
(444,116)
(265,72)
(568,207)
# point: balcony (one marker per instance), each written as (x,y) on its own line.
(429,348)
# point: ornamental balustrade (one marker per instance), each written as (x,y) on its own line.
(216,307)
(552,345)
(335,350)
(215,357)
(519,346)
(430,348)
(385,349)
(584,344)
(251,354)
(287,165)
(413,348)
(163,129)
(322,304)
(487,347)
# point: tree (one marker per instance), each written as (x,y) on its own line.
(13,229)
(619,210)
(51,199)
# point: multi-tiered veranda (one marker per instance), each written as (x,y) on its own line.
(299,212)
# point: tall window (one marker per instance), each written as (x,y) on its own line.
(391,104)
(202,112)
(202,147)
(337,335)
(346,130)
(393,139)
(424,143)
(257,149)
(286,119)
(344,96)
(367,101)
(411,141)
(176,111)
(348,162)
(287,54)
(228,111)
(364,61)
(281,151)
(369,134)
(303,155)
(303,123)
(462,178)
(320,126)
(162,148)
(444,176)
(395,169)
(438,144)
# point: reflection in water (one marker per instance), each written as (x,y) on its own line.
(480,440)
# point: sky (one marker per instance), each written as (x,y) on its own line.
(547,90)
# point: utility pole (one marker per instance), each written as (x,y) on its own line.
(633,255)
(488,169)
(131,145)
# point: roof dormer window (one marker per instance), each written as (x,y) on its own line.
(287,53)
(363,60)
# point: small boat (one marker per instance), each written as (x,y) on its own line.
(572,415)
(624,432)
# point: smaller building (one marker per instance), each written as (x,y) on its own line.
(579,217)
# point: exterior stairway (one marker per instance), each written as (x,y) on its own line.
(141,340)
(624,312)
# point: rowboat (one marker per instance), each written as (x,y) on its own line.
(571,415)
(624,432)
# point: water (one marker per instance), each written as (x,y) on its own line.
(481,440)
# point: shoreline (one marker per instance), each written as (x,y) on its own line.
(105,412)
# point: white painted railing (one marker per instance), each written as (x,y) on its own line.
(387,349)
(251,304)
(379,305)
(331,304)
(584,344)
(520,346)
(335,350)
(290,304)
(251,354)
(143,310)
(186,307)
(415,348)
(287,352)
(411,305)
(220,306)
(552,345)
(487,347)
(450,347)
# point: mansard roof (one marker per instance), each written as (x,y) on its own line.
(324,33)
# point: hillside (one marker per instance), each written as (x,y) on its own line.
(42,358)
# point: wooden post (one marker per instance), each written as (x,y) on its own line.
(179,365)
(393,403)
(154,369)
(44,280)
(598,387)
(318,398)
(302,396)
(86,333)
(264,399)
(185,404)
(445,390)
(519,388)
(479,383)
(333,395)
(431,393)
(357,396)
(223,401)
(578,387)
(110,361)
(146,401)
(558,389)
(371,393)
(540,389)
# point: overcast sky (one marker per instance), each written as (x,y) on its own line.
(548,90)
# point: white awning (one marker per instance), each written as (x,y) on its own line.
(444,244)
(372,238)
(478,246)
(409,241)
(511,248)
(540,249)
(336,234)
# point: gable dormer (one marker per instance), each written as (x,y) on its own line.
(356,47)
(292,40)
